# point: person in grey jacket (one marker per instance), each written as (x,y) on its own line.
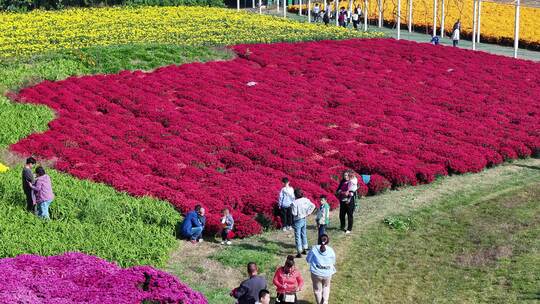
(302,207)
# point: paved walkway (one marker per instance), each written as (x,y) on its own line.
(419,37)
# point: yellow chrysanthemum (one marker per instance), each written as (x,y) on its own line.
(3,168)
(39,31)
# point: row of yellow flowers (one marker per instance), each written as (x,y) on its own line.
(497,20)
(41,31)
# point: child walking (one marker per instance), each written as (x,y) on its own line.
(323,217)
(228,222)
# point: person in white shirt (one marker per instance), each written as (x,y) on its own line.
(302,207)
(455,37)
(353,183)
(285,201)
(355,18)
(316,11)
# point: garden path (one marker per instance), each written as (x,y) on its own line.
(426,38)
(194,265)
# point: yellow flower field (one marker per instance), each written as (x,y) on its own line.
(497,23)
(40,31)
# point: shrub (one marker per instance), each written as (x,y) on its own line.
(79,278)
(399,223)
(27,5)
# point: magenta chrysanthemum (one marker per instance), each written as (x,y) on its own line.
(80,278)
(224,133)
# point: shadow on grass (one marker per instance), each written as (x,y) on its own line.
(528,167)
(280,244)
(260,248)
(530,296)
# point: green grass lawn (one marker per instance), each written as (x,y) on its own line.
(86,216)
(471,247)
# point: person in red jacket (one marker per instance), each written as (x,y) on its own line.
(288,282)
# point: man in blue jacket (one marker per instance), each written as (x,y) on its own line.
(193,225)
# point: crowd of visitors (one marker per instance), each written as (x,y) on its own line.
(288,279)
(295,209)
(346,17)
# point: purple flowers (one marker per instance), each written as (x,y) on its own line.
(80,278)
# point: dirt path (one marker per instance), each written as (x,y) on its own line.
(194,265)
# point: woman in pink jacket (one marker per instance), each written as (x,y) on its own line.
(288,282)
(43,191)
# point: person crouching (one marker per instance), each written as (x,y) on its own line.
(193,225)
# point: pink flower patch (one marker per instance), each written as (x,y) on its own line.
(79,278)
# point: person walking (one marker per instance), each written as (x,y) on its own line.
(342,17)
(323,218)
(288,281)
(355,18)
(248,291)
(27,180)
(193,224)
(347,204)
(455,36)
(285,201)
(227,221)
(43,192)
(302,208)
(326,17)
(316,12)
(322,260)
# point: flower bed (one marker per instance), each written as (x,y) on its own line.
(224,133)
(42,31)
(79,278)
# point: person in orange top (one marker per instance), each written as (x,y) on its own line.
(288,282)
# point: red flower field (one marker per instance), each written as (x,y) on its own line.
(224,133)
